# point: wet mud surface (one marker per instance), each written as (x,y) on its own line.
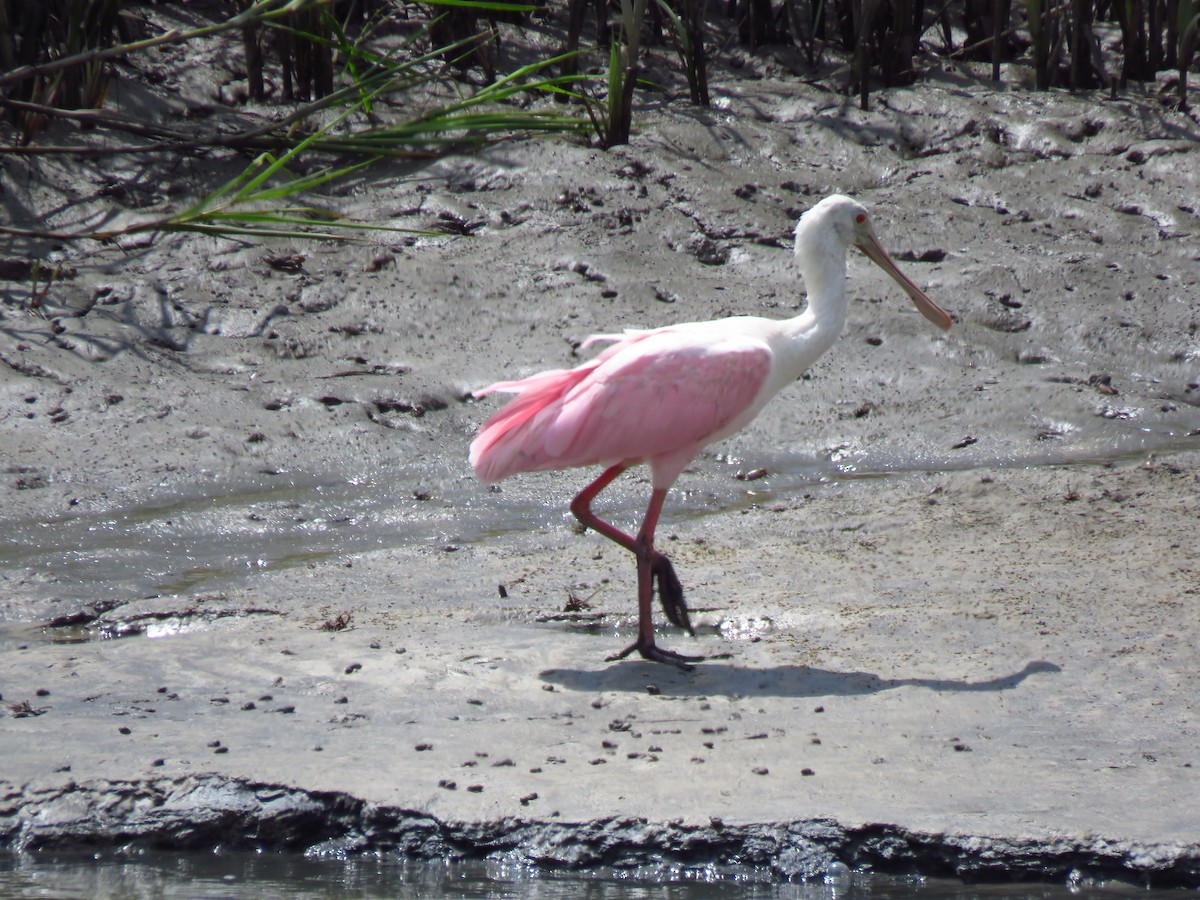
(251,593)
(204,811)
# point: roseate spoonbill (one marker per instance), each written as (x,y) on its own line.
(658,396)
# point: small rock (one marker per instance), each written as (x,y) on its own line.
(752,475)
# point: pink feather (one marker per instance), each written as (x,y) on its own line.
(656,396)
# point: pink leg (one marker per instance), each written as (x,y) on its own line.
(651,565)
(581,506)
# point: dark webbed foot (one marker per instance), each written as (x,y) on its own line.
(654,653)
(670,593)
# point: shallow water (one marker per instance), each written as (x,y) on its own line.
(214,876)
(209,542)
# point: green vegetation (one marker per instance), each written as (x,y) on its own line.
(350,81)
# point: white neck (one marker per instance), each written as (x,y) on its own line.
(810,334)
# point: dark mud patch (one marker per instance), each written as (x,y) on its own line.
(201,812)
(98,622)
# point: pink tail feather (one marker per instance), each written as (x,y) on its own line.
(504,445)
(496,450)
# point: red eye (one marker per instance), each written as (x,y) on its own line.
(860,218)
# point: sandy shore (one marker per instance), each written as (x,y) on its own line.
(951,626)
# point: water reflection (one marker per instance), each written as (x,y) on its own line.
(216,876)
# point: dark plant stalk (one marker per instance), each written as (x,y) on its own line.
(1171,53)
(999,23)
(697,70)
(1081,59)
(254,63)
(1133,29)
(864,20)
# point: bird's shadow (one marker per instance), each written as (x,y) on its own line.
(725,679)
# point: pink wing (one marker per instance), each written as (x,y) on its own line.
(658,396)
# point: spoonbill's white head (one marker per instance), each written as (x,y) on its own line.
(846,221)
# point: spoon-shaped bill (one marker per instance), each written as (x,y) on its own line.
(926,307)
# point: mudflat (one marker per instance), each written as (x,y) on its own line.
(946,584)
